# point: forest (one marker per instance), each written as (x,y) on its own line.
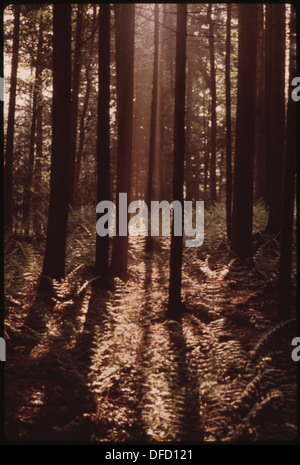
(118,327)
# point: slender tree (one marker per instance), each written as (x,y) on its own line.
(153,121)
(161,102)
(9,151)
(87,64)
(287,204)
(242,213)
(54,259)
(103,138)
(262,90)
(191,191)
(36,96)
(175,305)
(205,148)
(37,200)
(228,123)
(276,114)
(170,96)
(124,16)
(213,132)
(77,65)
(268,80)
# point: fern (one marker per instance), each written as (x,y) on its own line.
(267,336)
(22,266)
(266,259)
(70,287)
(260,217)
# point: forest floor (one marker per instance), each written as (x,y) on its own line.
(90,365)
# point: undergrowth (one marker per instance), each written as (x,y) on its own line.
(108,366)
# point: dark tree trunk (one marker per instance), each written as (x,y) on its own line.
(242,213)
(38,207)
(103,142)
(213,192)
(191,191)
(32,139)
(9,152)
(287,206)
(169,118)
(276,115)
(228,124)
(206,150)
(54,260)
(77,64)
(268,80)
(260,133)
(29,166)
(161,123)
(125,14)
(153,123)
(82,133)
(83,123)
(175,304)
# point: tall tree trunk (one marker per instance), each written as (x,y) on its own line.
(268,80)
(228,123)
(276,115)
(242,213)
(125,14)
(287,205)
(260,133)
(32,139)
(190,179)
(77,64)
(82,132)
(175,304)
(206,149)
(103,139)
(54,259)
(9,152)
(29,166)
(37,207)
(213,193)
(153,124)
(169,119)
(76,201)
(161,119)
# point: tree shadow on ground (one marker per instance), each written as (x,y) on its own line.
(187,414)
(139,430)
(186,384)
(55,402)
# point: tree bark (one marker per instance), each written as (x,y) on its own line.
(83,123)
(242,213)
(206,150)
(161,122)
(175,304)
(54,259)
(191,191)
(268,80)
(153,124)
(103,139)
(260,133)
(287,205)
(125,14)
(9,152)
(213,193)
(38,201)
(277,116)
(77,64)
(32,139)
(228,124)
